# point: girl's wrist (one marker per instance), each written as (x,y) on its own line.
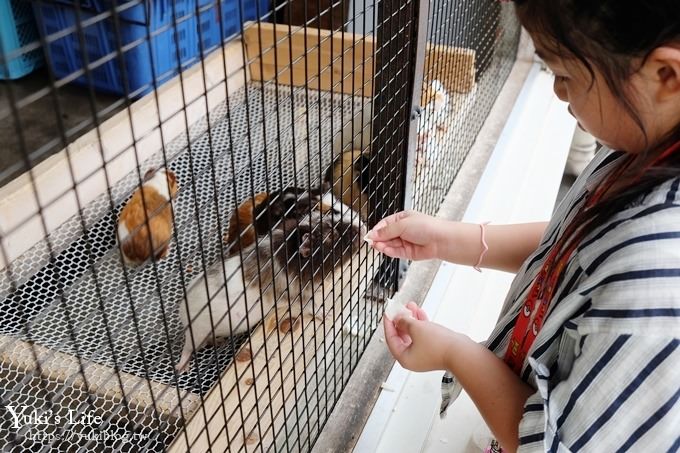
(445,237)
(456,350)
(454,239)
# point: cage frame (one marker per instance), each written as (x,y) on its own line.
(32,190)
(45,185)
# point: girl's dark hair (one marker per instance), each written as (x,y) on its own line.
(614,37)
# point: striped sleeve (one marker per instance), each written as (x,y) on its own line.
(632,269)
(621,395)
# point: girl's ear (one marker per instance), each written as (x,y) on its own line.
(664,68)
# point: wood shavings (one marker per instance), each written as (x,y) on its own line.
(386,387)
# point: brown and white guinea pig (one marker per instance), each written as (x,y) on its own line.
(435,102)
(350,179)
(139,241)
(257,215)
(310,249)
(432,126)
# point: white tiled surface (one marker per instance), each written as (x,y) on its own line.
(520,184)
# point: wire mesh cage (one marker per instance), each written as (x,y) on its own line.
(184,195)
(471,47)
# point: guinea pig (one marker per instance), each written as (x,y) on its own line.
(350,180)
(435,101)
(309,249)
(257,215)
(432,126)
(139,240)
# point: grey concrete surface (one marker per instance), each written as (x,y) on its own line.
(47,118)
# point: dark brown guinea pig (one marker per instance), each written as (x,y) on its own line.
(258,215)
(139,240)
(242,222)
(350,179)
(326,239)
(290,268)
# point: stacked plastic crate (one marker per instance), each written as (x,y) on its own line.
(129,47)
(17,31)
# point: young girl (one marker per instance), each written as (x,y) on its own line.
(586,353)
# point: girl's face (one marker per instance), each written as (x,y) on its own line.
(594,106)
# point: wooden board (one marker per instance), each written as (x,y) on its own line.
(259,387)
(319,59)
(98,380)
(454,67)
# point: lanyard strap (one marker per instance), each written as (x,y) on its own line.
(530,319)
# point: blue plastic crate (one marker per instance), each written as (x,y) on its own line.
(232,10)
(17,29)
(141,58)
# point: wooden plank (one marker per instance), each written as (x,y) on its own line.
(258,388)
(114,156)
(97,379)
(319,59)
(454,67)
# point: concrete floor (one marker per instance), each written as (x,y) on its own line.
(48,119)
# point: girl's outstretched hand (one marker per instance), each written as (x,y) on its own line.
(416,343)
(408,234)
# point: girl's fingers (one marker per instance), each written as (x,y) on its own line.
(380,225)
(391,251)
(390,330)
(395,252)
(396,342)
(414,308)
(418,312)
(391,335)
(404,324)
(394,243)
(387,232)
(388,228)
(391,219)
(384,222)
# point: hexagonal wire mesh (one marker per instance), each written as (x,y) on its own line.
(88,345)
(459,88)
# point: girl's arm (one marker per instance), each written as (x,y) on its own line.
(509,245)
(414,236)
(498,393)
(420,345)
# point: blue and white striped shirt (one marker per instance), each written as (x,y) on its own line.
(606,363)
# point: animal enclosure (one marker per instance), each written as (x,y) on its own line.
(181,230)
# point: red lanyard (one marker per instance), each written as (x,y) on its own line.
(530,319)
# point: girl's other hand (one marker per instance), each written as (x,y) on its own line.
(416,343)
(408,235)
